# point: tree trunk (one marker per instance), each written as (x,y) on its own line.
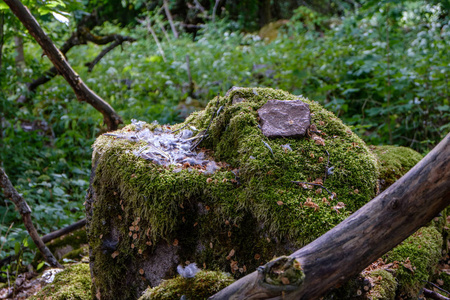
(83,93)
(2,23)
(265,15)
(348,248)
(20,55)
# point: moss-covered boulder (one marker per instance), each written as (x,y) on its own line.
(232,214)
(73,283)
(202,286)
(416,260)
(394,162)
(384,285)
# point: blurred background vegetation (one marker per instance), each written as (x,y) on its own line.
(381,66)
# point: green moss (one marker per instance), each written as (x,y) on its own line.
(417,258)
(202,286)
(394,162)
(384,285)
(445,278)
(74,283)
(77,254)
(250,207)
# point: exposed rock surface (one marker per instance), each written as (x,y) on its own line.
(284,118)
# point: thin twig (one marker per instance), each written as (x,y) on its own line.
(434,285)
(169,17)
(150,29)
(433,295)
(119,41)
(326,167)
(316,184)
(207,128)
(183,126)
(199,6)
(161,26)
(191,82)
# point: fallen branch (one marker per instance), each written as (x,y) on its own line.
(25,211)
(60,232)
(83,93)
(49,237)
(344,251)
(433,295)
(435,286)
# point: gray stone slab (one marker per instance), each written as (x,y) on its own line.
(284,118)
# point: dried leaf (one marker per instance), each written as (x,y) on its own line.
(231,254)
(285,280)
(115,254)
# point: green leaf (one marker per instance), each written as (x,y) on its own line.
(40,265)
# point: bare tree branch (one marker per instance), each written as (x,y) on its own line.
(119,40)
(83,93)
(169,17)
(25,211)
(60,232)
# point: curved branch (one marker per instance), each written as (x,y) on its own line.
(118,40)
(82,91)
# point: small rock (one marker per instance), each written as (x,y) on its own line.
(284,118)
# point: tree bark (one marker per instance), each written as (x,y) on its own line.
(83,93)
(20,55)
(348,248)
(2,23)
(25,211)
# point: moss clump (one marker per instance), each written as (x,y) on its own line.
(394,162)
(77,254)
(249,207)
(384,285)
(417,258)
(74,283)
(202,286)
